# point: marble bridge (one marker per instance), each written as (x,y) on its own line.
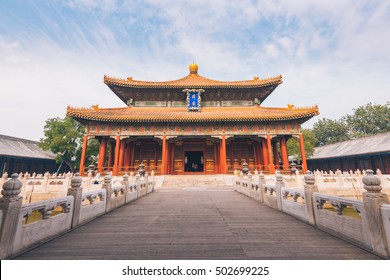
(193,218)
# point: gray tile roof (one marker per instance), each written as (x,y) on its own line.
(17,147)
(366,145)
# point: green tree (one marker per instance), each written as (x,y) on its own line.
(64,138)
(310,142)
(329,131)
(92,152)
(369,119)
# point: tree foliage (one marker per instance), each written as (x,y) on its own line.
(64,138)
(366,120)
(329,131)
(369,119)
(310,142)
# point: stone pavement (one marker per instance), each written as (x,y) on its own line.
(197,223)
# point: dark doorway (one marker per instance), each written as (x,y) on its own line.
(193,161)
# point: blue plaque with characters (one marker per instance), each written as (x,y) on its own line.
(193,99)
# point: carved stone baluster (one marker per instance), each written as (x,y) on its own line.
(278,189)
(309,189)
(76,191)
(372,200)
(285,194)
(338,206)
(11,204)
(320,203)
(91,199)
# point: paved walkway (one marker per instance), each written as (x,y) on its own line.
(196,223)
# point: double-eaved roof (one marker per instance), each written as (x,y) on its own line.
(245,91)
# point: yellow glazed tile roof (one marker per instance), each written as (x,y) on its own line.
(193,80)
(180,114)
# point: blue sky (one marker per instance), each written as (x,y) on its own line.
(335,54)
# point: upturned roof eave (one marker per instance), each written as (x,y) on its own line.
(205,86)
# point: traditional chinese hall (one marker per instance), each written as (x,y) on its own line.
(192,125)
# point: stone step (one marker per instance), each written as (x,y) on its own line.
(193,181)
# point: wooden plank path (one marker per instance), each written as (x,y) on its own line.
(196,223)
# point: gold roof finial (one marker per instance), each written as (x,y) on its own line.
(193,68)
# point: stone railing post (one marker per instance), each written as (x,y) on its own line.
(340,178)
(68,180)
(88,180)
(379,174)
(107,185)
(138,184)
(3,179)
(256,175)
(241,179)
(45,182)
(262,184)
(24,184)
(319,179)
(235,178)
(309,189)
(152,174)
(372,200)
(126,183)
(76,191)
(10,204)
(278,187)
(131,177)
(146,178)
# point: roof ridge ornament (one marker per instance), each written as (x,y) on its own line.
(193,68)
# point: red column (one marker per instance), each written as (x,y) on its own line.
(169,158)
(116,159)
(303,153)
(264,151)
(276,154)
(126,156)
(223,155)
(269,146)
(218,158)
(259,161)
(283,149)
(132,152)
(102,154)
(164,155)
(122,150)
(216,168)
(111,156)
(83,153)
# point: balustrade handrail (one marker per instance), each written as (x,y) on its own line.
(295,193)
(46,205)
(370,230)
(16,237)
(94,193)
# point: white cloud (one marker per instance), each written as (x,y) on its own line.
(85,5)
(331,53)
